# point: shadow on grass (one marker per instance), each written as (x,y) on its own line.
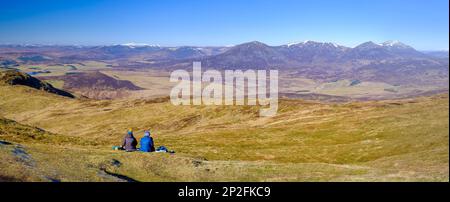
(122,177)
(5,143)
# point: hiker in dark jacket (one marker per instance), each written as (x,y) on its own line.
(147,144)
(129,142)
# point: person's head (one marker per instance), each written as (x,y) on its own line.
(130,131)
(146,133)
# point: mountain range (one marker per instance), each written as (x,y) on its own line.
(392,61)
(302,52)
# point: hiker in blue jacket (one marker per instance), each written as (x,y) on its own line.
(147,142)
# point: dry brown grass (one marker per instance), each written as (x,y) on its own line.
(398,140)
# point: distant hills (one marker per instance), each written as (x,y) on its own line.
(302,52)
(94,84)
(40,53)
(93,81)
(438,54)
(391,61)
(259,55)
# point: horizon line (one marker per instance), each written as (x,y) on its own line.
(138,44)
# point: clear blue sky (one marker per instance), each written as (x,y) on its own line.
(420,23)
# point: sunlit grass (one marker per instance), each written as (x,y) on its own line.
(393,140)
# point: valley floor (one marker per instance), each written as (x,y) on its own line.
(45,137)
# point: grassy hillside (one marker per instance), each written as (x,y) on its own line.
(395,140)
(13,77)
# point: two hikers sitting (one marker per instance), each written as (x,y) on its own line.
(129,142)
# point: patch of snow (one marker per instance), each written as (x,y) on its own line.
(298,43)
(132,45)
(292,44)
(312,42)
(391,43)
(335,45)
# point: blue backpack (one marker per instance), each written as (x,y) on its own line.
(162,149)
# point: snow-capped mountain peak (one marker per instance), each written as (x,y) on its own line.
(396,45)
(297,43)
(309,42)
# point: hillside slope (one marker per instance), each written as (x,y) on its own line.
(393,140)
(12,77)
(95,85)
